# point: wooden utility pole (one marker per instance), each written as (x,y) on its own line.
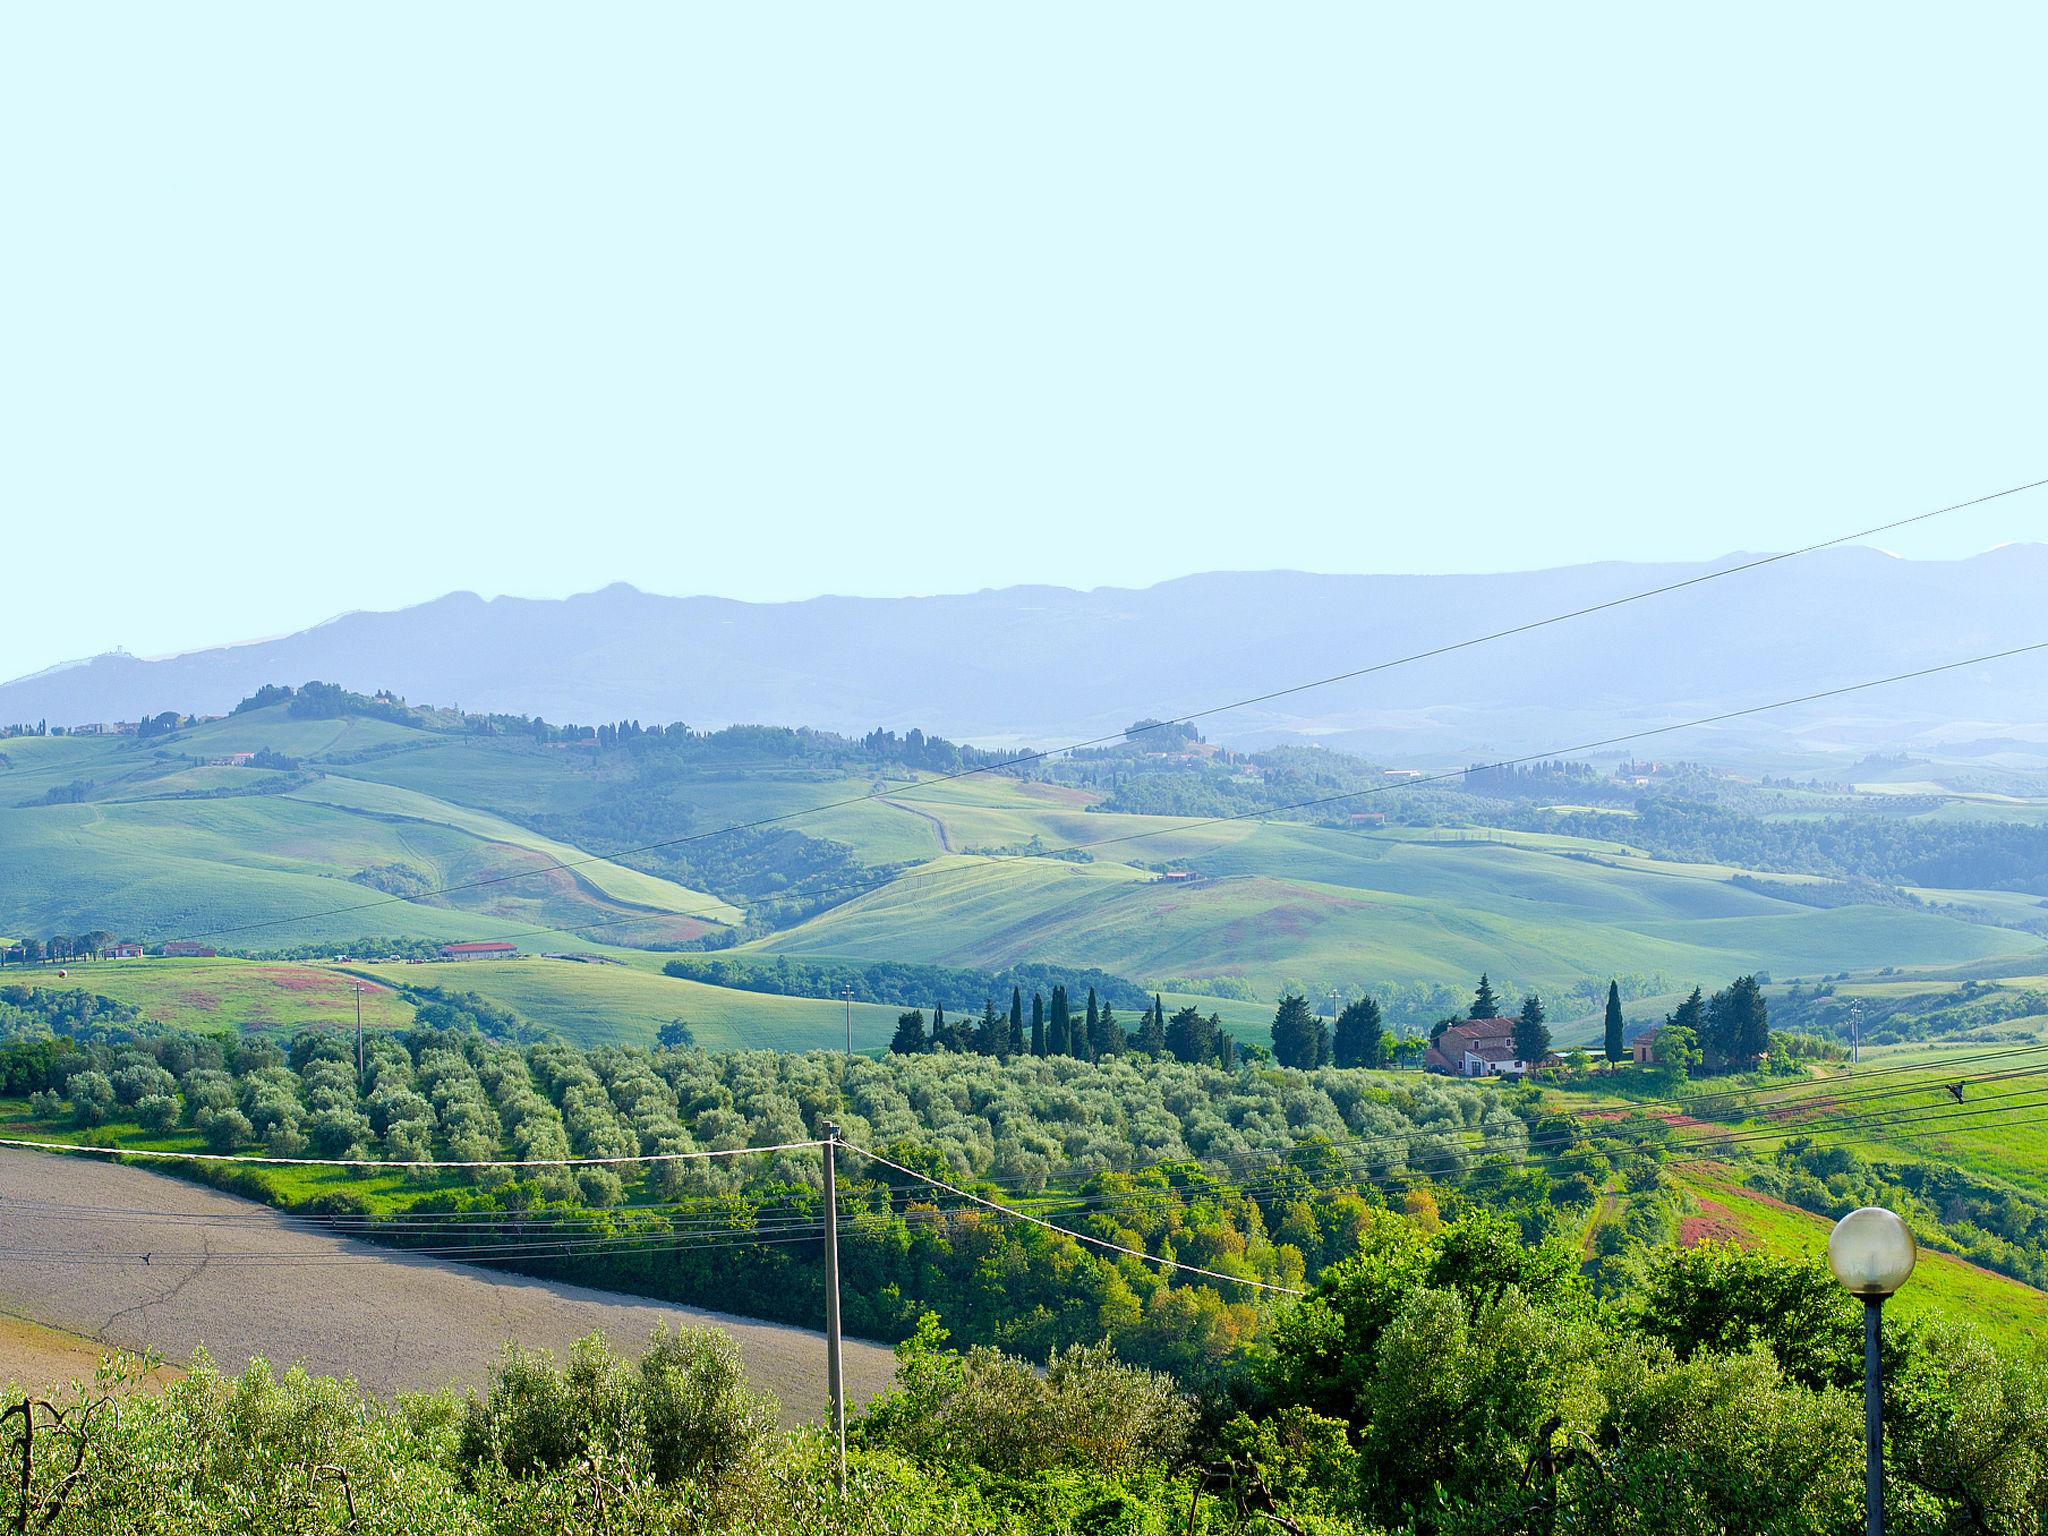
(847,993)
(835,1381)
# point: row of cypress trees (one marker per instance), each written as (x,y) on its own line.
(1055,1029)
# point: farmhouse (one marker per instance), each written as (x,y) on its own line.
(124,951)
(1477,1048)
(1178,876)
(495,949)
(1644,1048)
(185,949)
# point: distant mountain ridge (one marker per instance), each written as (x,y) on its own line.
(1040,663)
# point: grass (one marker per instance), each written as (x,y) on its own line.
(206,995)
(1285,904)
(1279,903)
(625,1004)
(2013,1315)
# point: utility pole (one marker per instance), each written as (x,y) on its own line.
(359,990)
(847,993)
(835,1382)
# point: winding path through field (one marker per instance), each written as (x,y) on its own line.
(340,1307)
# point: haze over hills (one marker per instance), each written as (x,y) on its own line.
(1044,663)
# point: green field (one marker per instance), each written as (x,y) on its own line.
(223,993)
(2014,1316)
(1381,912)
(153,840)
(625,1004)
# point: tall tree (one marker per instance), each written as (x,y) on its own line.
(1690,1014)
(1361,1036)
(1057,1040)
(1091,1035)
(1226,1047)
(1038,1023)
(1016,1041)
(1532,1037)
(1616,1049)
(1107,1037)
(993,1033)
(909,1038)
(1190,1037)
(1152,1033)
(1294,1033)
(1737,1031)
(1484,1004)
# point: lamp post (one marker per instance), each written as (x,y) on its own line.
(1872,1253)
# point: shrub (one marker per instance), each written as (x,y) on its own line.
(700,1419)
(224,1129)
(687,1415)
(158,1113)
(92,1097)
(1088,1409)
(537,1417)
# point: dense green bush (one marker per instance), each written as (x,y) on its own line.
(1455,1383)
(994,1411)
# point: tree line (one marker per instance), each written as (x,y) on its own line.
(1094,1033)
(58,947)
(893,981)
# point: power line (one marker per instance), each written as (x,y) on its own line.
(1080,1237)
(1025,759)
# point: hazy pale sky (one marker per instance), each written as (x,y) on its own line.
(318,308)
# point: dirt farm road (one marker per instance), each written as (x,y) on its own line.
(339,1307)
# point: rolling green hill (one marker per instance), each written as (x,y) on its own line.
(162,838)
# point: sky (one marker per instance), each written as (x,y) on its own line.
(319,308)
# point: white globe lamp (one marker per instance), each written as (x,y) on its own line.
(1872,1253)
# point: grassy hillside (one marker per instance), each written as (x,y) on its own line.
(624,1005)
(156,839)
(1431,912)
(238,994)
(2013,1315)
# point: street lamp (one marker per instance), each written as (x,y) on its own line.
(1872,1253)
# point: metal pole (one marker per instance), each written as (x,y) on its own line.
(1873,1417)
(835,1383)
(847,992)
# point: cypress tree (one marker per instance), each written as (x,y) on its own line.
(993,1035)
(1532,1039)
(1038,1023)
(1093,1035)
(1057,1042)
(1361,1036)
(1294,1033)
(1615,1049)
(1484,1004)
(1152,1033)
(1016,1021)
